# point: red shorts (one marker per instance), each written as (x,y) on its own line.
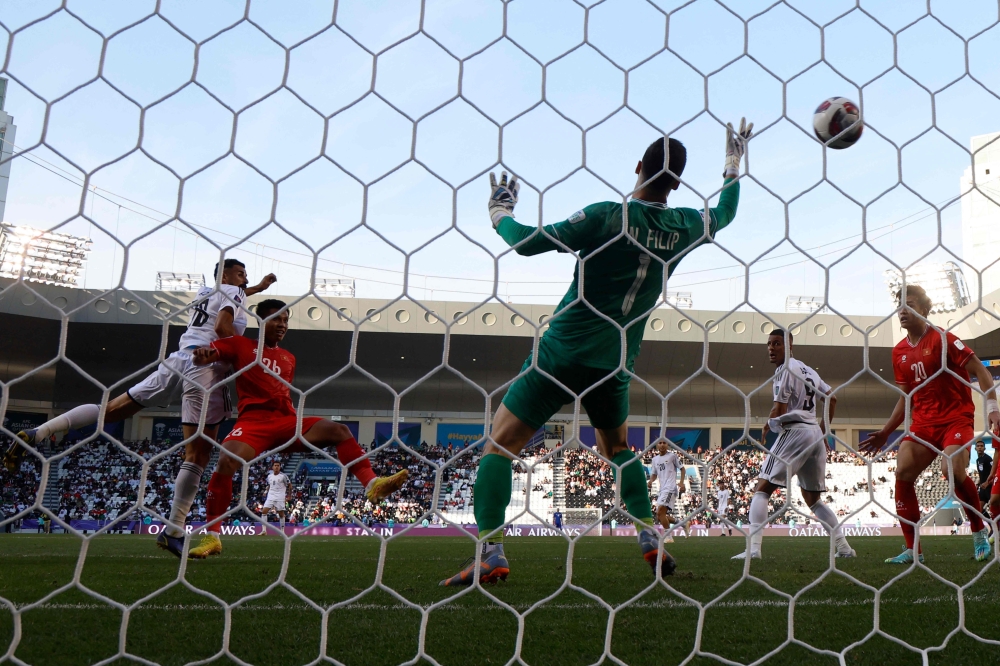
(995,490)
(266,430)
(943,435)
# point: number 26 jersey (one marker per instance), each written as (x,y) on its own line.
(941,399)
(205,312)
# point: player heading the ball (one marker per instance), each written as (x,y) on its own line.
(932,367)
(268,420)
(801,446)
(216,313)
(627,249)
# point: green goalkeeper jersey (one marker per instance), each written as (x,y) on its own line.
(621,280)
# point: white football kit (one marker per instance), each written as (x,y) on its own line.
(178,373)
(277,490)
(722,502)
(665,468)
(800,449)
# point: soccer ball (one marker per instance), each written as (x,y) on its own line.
(832,117)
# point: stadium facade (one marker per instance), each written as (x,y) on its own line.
(117,338)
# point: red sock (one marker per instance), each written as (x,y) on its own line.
(969,494)
(348,451)
(218,498)
(907,508)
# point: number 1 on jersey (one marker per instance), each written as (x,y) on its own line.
(640,276)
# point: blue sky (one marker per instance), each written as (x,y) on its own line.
(454,96)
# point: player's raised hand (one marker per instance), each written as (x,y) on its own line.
(503,197)
(874,443)
(268,280)
(736,147)
(205,355)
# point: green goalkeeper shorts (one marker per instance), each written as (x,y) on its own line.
(534,398)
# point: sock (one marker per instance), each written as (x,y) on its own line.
(907,509)
(635,493)
(217,499)
(758,518)
(829,520)
(281,520)
(78,417)
(968,494)
(347,452)
(491,495)
(185,488)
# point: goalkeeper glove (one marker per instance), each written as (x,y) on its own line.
(736,146)
(503,197)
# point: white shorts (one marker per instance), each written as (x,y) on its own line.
(178,375)
(667,498)
(276,503)
(798,452)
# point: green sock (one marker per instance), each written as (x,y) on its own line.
(491,494)
(634,490)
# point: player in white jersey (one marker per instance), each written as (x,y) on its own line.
(800,449)
(278,485)
(216,313)
(722,506)
(666,464)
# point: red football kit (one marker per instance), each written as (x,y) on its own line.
(267,416)
(941,409)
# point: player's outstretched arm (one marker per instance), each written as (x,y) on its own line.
(582,229)
(876,441)
(205,355)
(268,280)
(736,146)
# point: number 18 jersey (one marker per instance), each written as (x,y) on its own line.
(798,386)
(205,312)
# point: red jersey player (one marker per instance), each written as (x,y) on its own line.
(267,419)
(942,416)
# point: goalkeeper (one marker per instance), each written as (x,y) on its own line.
(621,283)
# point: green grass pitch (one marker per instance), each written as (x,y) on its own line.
(180,625)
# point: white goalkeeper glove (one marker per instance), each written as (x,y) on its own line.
(503,197)
(736,146)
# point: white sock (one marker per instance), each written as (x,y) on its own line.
(758,517)
(829,520)
(185,488)
(490,546)
(281,519)
(78,417)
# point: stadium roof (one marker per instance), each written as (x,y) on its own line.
(488,350)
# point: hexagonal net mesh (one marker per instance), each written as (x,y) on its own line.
(360,130)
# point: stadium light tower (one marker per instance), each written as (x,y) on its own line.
(805,304)
(680,299)
(336,287)
(43,256)
(944,283)
(169,281)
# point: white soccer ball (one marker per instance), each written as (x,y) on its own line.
(834,116)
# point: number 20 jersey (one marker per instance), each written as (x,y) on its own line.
(205,312)
(934,400)
(800,387)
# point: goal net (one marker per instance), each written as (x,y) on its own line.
(346,147)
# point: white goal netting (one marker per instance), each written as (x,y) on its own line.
(346,147)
